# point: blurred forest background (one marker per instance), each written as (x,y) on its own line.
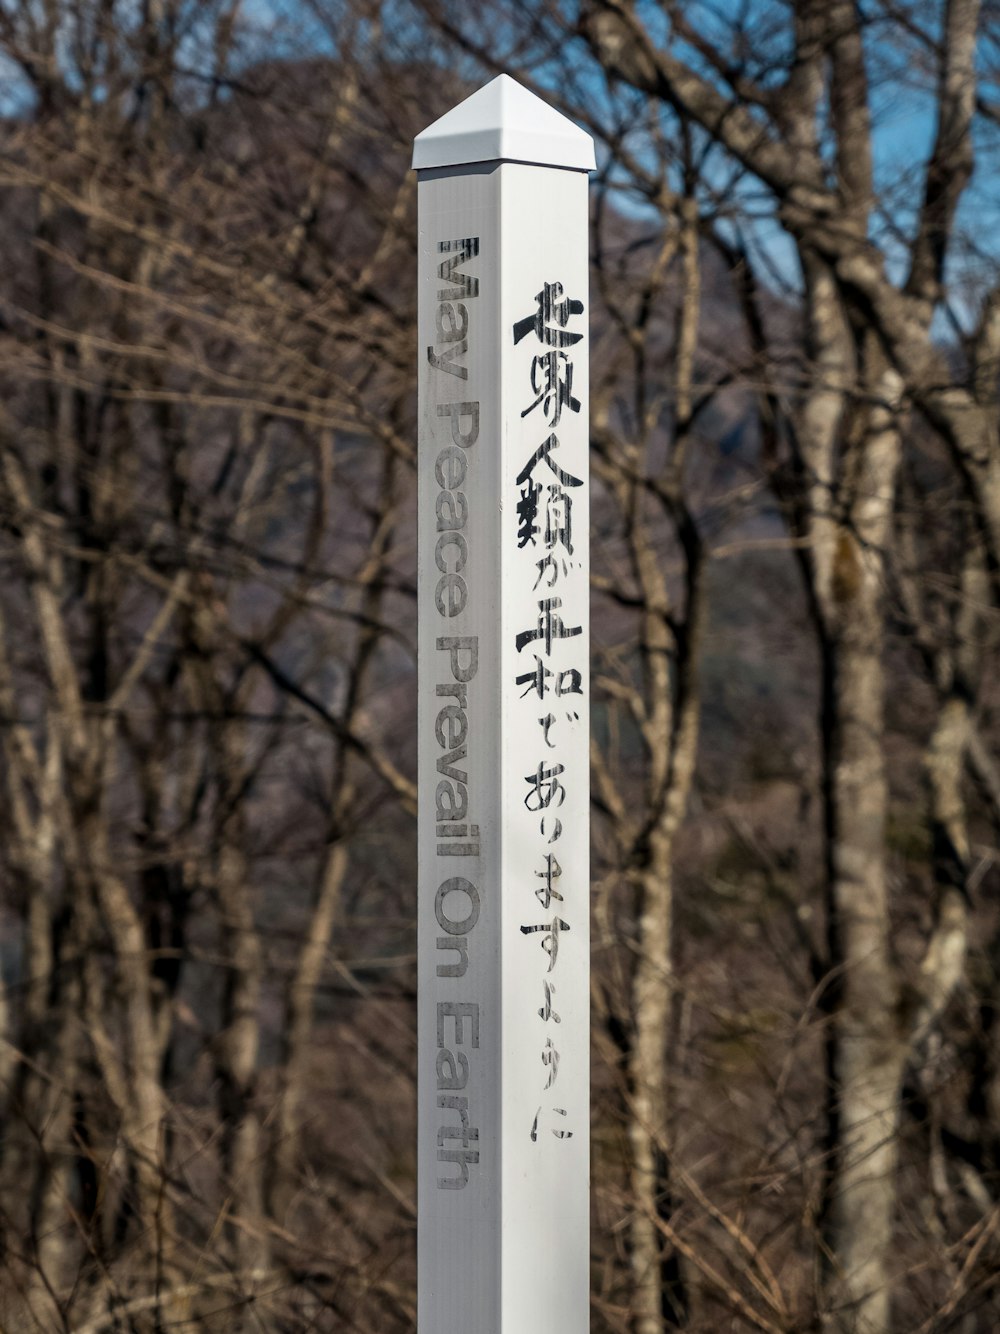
(207,360)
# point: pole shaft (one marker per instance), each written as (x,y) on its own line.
(503,766)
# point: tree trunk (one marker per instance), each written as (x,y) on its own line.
(865,1046)
(866,1043)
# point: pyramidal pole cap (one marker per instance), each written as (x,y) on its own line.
(504,122)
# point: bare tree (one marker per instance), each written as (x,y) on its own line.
(204,437)
(206,655)
(869,350)
(782,104)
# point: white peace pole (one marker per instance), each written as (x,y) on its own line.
(504,846)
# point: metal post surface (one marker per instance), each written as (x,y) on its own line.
(503,720)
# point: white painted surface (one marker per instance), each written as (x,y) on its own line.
(507,1252)
(503,122)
